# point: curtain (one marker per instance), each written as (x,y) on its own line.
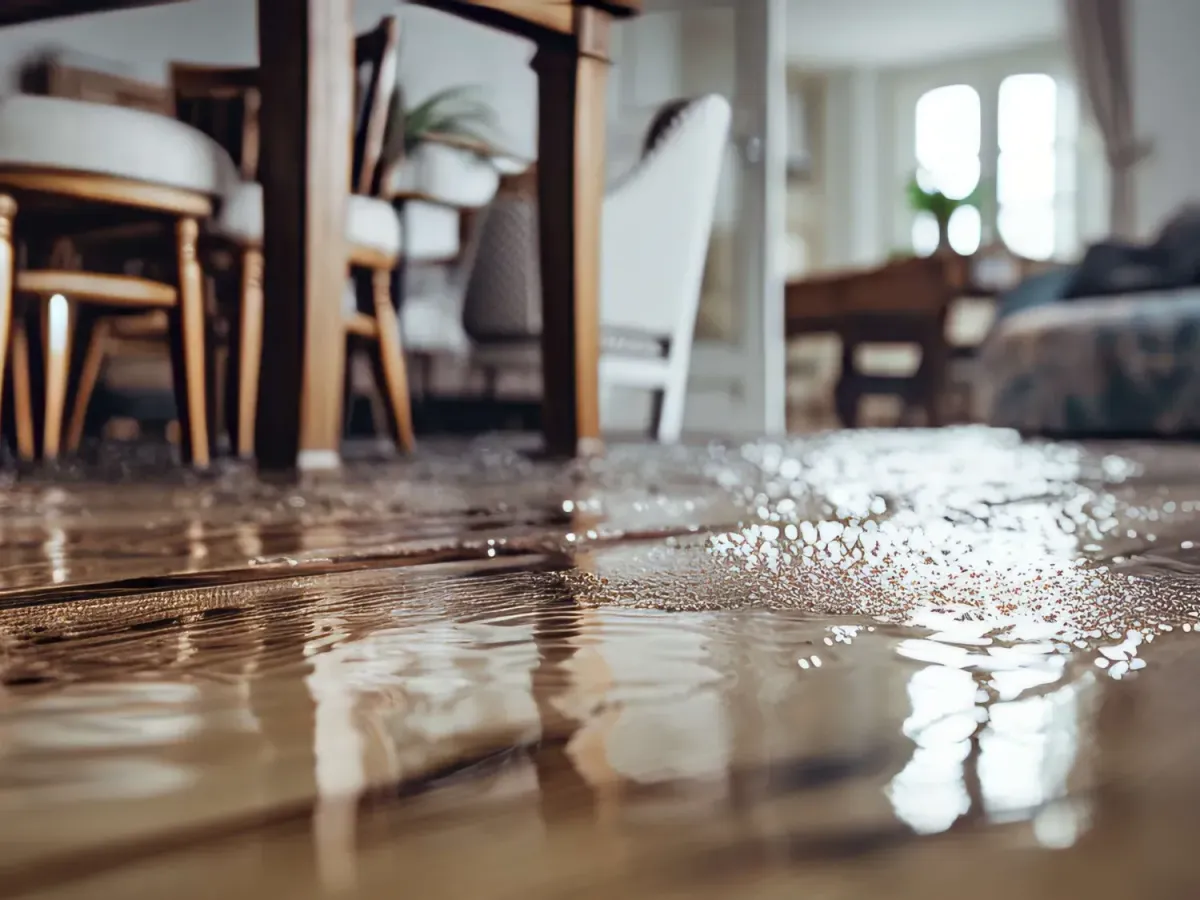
(1097,32)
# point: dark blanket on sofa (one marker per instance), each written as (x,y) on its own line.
(1171,261)
(1113,268)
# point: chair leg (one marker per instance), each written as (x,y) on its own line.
(848,392)
(249,350)
(391,360)
(58,331)
(348,385)
(8,209)
(89,375)
(490,377)
(931,375)
(22,373)
(190,348)
(669,421)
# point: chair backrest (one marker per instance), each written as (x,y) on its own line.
(224,103)
(376,61)
(657,223)
(503,298)
(49,76)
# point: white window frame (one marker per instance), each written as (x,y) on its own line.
(1081,189)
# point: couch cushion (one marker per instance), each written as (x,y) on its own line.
(95,138)
(370,222)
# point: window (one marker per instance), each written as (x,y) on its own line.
(1026,127)
(957,151)
(948,142)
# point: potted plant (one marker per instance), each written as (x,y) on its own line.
(456,113)
(940,206)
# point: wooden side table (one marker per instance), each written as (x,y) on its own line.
(904,301)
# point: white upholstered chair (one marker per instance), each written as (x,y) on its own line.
(656,225)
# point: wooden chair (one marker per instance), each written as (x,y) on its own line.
(73,167)
(224,103)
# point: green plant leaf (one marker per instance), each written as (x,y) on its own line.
(454,111)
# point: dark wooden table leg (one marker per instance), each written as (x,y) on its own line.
(571,120)
(306,54)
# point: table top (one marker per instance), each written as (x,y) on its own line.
(520,16)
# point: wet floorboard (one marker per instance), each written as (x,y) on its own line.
(863,664)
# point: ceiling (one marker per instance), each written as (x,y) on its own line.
(896,32)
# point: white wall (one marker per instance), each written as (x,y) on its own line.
(854,135)
(868,140)
(1165,69)
(143,41)
(437,51)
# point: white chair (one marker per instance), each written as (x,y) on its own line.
(656,225)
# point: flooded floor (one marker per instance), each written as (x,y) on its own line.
(873,664)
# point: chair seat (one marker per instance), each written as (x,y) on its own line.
(98,139)
(370,222)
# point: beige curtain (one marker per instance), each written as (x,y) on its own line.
(1098,34)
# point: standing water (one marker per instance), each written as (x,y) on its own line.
(863,664)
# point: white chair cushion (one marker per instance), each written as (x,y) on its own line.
(370,222)
(509,165)
(450,175)
(432,323)
(431,232)
(99,139)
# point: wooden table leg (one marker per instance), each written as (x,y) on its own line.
(306,54)
(571,120)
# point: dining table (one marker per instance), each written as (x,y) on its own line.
(306,57)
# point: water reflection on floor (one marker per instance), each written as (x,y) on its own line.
(901,664)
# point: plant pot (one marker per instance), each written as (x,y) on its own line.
(450,175)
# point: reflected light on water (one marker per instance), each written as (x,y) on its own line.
(930,793)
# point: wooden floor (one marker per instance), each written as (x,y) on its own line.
(901,664)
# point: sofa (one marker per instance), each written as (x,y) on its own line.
(1106,348)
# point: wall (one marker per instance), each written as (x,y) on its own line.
(1165,69)
(438,51)
(869,160)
